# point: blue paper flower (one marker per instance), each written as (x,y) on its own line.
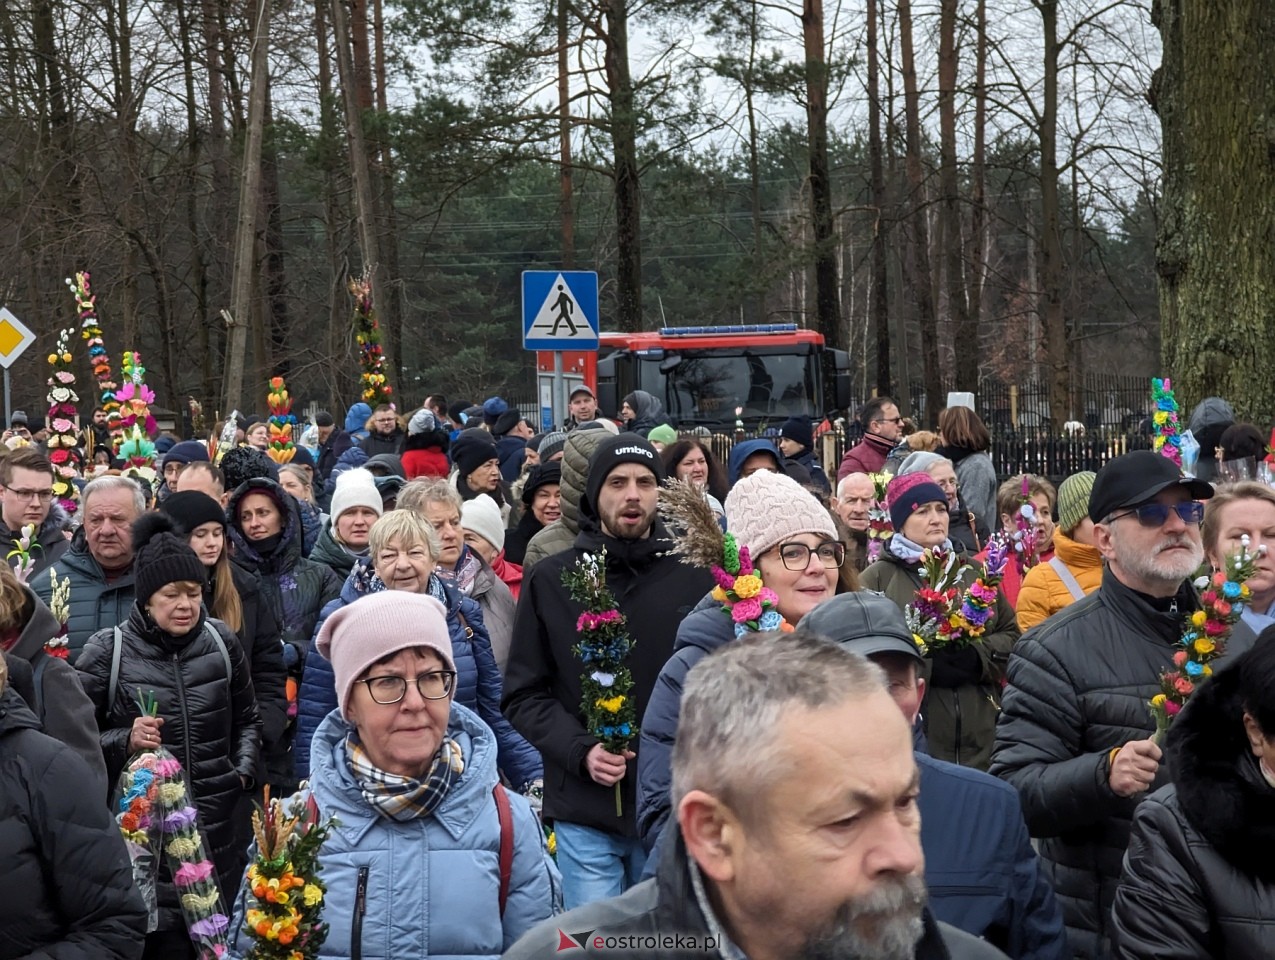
(1230,590)
(1194,669)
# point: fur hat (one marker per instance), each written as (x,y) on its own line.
(378,626)
(766,508)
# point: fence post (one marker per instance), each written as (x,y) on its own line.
(1013,405)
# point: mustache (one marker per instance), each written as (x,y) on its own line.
(1172,541)
(893,915)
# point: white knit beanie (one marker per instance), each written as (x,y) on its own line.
(379,625)
(355,488)
(767,508)
(482,516)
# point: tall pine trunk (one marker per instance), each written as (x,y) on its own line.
(965,339)
(827,293)
(628,195)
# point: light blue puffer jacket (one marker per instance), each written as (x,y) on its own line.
(431,886)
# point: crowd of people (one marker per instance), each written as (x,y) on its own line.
(386,626)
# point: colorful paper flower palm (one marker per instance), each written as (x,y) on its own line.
(282,422)
(1223,596)
(942,615)
(376,386)
(63,443)
(91,332)
(1168,435)
(606,683)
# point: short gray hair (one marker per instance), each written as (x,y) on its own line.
(732,702)
(417,494)
(102,484)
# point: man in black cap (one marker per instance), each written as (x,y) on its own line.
(1075,733)
(982,873)
(797,444)
(599,853)
(332,443)
(583,407)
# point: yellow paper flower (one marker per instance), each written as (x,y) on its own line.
(172,793)
(312,895)
(53,358)
(612,705)
(1204,645)
(1161,418)
(1208,671)
(183,848)
(1158,700)
(197,904)
(1199,618)
(747,586)
(719,594)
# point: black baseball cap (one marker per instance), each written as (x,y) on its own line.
(865,622)
(1136,477)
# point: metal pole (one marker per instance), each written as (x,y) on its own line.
(8,405)
(559,401)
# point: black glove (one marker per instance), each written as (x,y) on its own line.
(956,666)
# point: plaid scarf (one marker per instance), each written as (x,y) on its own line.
(404,798)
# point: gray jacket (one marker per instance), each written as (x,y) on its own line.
(561,534)
(95,602)
(65,710)
(494,596)
(976,476)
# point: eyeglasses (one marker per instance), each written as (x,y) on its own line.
(796,556)
(44,496)
(435,685)
(1154,514)
(895,420)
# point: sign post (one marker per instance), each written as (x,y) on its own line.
(15,337)
(559,312)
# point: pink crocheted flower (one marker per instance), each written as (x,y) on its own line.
(745,610)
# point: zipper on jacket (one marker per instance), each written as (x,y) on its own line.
(360,908)
(957,699)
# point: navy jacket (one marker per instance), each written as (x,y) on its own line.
(478,684)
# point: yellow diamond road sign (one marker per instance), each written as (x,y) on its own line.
(15,337)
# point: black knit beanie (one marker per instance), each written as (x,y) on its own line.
(542,475)
(245,463)
(190,509)
(161,557)
(622,448)
(471,450)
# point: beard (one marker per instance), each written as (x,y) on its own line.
(1155,566)
(884,925)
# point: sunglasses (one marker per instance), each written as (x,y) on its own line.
(1154,514)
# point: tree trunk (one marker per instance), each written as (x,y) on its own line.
(976,259)
(219,215)
(566,201)
(1052,315)
(364,204)
(339,371)
(1216,248)
(382,160)
(965,339)
(827,289)
(246,232)
(274,272)
(628,191)
(880,297)
(922,278)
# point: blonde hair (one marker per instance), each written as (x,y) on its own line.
(13,600)
(1211,527)
(408,528)
(226,605)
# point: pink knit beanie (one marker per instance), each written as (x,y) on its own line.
(907,493)
(380,625)
(767,508)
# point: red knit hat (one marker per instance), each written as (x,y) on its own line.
(906,494)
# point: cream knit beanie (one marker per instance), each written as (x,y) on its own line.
(766,508)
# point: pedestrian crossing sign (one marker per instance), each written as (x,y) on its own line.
(559,310)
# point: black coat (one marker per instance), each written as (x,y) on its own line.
(329,453)
(654,590)
(68,886)
(665,911)
(375,443)
(211,722)
(263,646)
(1078,687)
(1199,874)
(517,538)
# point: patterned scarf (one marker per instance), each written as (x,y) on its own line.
(404,798)
(467,569)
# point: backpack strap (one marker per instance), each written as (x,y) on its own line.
(113,687)
(1067,577)
(505,813)
(221,646)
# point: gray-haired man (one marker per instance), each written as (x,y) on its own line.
(793,840)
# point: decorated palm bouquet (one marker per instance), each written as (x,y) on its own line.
(944,615)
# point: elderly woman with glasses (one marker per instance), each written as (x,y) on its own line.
(963,682)
(430,854)
(793,542)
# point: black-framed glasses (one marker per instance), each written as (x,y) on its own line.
(44,496)
(1154,514)
(796,556)
(435,685)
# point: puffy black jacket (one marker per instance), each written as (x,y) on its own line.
(68,886)
(94,602)
(65,713)
(961,699)
(1199,874)
(375,443)
(1079,685)
(654,590)
(211,722)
